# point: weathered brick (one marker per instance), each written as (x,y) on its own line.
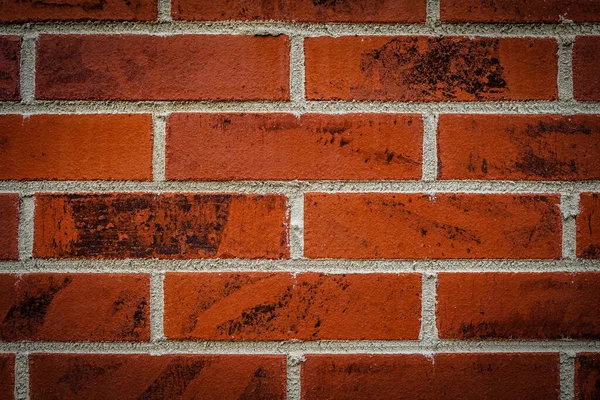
(408,11)
(586,69)
(421,68)
(519,11)
(10,59)
(76,147)
(516,376)
(443,225)
(9,226)
(588,226)
(81,307)
(7,376)
(142,376)
(280,306)
(518,305)
(179,67)
(79,10)
(587,376)
(283,147)
(170,225)
(519,147)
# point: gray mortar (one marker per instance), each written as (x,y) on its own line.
(428,343)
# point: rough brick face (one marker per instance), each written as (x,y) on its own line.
(148,225)
(412,226)
(430,68)
(518,306)
(181,67)
(519,147)
(283,147)
(67,307)
(76,147)
(588,226)
(141,376)
(7,376)
(78,10)
(9,226)
(587,376)
(519,11)
(586,69)
(279,306)
(524,376)
(10,56)
(380,11)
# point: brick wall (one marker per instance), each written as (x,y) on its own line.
(301,199)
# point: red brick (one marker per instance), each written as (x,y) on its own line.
(587,376)
(519,11)
(422,68)
(499,376)
(443,225)
(10,59)
(518,305)
(79,10)
(9,226)
(519,147)
(142,376)
(280,306)
(76,147)
(586,69)
(81,307)
(588,226)
(179,67)
(283,147)
(383,11)
(7,376)
(170,225)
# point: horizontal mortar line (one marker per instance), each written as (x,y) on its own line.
(338,266)
(306,29)
(292,187)
(326,107)
(316,347)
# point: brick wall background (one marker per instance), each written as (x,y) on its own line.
(324,199)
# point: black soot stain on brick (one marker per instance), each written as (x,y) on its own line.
(441,68)
(174,379)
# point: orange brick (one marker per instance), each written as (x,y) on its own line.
(516,376)
(76,147)
(80,307)
(280,306)
(519,147)
(444,225)
(518,306)
(170,225)
(408,11)
(142,376)
(9,226)
(588,226)
(179,67)
(283,147)
(421,68)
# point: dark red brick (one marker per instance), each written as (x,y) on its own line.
(80,307)
(7,376)
(9,226)
(10,60)
(586,68)
(588,226)
(587,376)
(170,225)
(281,306)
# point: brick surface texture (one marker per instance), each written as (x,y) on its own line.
(300,199)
